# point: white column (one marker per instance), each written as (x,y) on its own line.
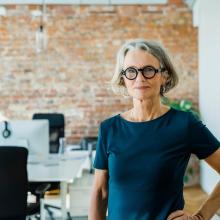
(209,77)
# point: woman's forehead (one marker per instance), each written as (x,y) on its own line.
(140,58)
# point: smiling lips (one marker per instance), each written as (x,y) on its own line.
(142,87)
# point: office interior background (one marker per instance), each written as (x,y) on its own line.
(59,56)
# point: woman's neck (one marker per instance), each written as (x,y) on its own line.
(145,110)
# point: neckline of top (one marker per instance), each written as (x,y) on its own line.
(145,122)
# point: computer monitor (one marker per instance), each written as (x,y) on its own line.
(32,134)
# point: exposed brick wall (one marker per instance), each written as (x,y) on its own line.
(71,75)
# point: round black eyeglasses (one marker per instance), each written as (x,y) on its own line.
(148,72)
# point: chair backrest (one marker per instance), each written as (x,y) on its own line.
(56,128)
(85,141)
(13,181)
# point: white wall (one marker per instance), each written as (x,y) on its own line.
(209,80)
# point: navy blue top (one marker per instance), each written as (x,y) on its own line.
(146,162)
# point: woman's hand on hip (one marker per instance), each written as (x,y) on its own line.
(182,215)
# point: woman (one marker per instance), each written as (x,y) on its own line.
(142,153)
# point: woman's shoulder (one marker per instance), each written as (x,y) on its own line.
(109,121)
(183,113)
(188,117)
(177,115)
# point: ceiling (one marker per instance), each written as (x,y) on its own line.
(105,2)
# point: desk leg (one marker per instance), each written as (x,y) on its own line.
(42,211)
(63,195)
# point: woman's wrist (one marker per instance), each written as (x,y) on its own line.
(199,216)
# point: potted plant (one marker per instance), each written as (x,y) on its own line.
(191,176)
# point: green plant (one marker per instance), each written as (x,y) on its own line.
(183,104)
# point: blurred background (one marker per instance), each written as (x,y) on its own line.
(59,56)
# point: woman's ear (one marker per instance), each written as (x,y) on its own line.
(165,77)
(165,73)
(122,82)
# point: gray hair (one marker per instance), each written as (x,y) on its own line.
(152,47)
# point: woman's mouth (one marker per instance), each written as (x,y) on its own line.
(142,87)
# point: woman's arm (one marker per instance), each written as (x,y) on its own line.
(99,198)
(212,204)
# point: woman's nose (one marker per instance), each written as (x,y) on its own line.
(140,76)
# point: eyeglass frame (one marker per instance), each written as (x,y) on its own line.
(161,69)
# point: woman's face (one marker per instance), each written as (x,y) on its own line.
(139,59)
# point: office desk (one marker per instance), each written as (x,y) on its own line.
(61,169)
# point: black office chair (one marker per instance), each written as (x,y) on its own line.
(33,209)
(56,128)
(56,131)
(14,185)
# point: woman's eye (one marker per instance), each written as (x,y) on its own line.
(148,70)
(131,71)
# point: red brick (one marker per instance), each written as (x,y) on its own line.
(71,75)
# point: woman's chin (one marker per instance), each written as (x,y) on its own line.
(142,96)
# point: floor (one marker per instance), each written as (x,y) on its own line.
(194,197)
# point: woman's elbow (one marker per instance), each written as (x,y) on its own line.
(104,195)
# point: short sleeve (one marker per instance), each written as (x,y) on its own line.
(202,142)
(101,157)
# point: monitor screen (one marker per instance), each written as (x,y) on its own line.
(32,134)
